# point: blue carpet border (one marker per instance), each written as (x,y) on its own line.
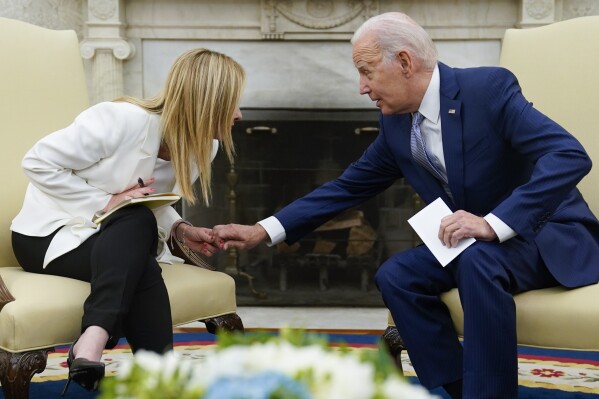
(52,389)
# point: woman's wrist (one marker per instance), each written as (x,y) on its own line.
(178,231)
(181,232)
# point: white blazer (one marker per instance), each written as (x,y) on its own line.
(74,171)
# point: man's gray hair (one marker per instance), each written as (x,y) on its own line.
(395,32)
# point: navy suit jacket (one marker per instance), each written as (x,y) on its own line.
(502,157)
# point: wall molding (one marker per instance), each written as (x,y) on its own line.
(108,29)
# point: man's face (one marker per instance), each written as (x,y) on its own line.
(384,81)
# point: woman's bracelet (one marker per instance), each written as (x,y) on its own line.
(180,249)
(176,227)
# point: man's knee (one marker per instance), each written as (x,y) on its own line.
(479,261)
(474,254)
(383,275)
(396,273)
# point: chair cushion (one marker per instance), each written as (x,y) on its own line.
(54,305)
(47,310)
(198,294)
(569,320)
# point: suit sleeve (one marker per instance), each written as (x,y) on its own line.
(374,172)
(559,160)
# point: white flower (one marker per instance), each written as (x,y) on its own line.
(334,373)
(170,364)
(124,369)
(393,387)
(150,361)
(234,371)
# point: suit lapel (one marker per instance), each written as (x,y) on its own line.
(451,127)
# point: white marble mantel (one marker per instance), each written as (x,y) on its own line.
(296,52)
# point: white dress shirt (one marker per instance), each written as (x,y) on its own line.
(430,127)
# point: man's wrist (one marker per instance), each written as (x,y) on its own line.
(274,230)
(501,229)
(262,234)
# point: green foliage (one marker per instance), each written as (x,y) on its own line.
(141,384)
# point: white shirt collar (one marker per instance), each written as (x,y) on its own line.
(431,102)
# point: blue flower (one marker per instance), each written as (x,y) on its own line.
(265,385)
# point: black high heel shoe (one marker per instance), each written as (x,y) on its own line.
(84,372)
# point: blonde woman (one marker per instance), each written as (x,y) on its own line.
(114,151)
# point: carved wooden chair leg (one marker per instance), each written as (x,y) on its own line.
(17,369)
(394,344)
(229,322)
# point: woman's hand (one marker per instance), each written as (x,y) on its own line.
(239,236)
(135,191)
(198,239)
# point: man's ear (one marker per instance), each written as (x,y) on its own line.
(405,60)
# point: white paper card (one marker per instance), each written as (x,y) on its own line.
(426,224)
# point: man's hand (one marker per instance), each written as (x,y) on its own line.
(463,224)
(239,236)
(198,239)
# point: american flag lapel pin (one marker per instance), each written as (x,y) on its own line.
(451,111)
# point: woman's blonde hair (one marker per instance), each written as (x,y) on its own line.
(197,104)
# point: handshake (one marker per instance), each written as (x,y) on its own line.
(221,237)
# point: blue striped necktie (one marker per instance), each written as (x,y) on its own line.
(421,157)
(419,149)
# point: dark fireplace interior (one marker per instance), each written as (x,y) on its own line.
(282,155)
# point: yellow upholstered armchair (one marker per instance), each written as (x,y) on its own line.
(43,88)
(558,68)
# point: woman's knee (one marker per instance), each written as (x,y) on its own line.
(137,216)
(141,214)
(133,230)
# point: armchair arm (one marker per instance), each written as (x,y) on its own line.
(5,296)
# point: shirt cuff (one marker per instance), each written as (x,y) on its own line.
(503,231)
(274,229)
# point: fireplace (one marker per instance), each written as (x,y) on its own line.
(282,155)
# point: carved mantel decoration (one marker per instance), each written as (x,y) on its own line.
(283,19)
(580,8)
(106,46)
(539,9)
(121,49)
(537,13)
(103,9)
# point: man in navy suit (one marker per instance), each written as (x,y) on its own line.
(509,174)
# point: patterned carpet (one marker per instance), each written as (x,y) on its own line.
(543,374)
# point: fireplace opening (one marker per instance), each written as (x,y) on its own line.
(282,155)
